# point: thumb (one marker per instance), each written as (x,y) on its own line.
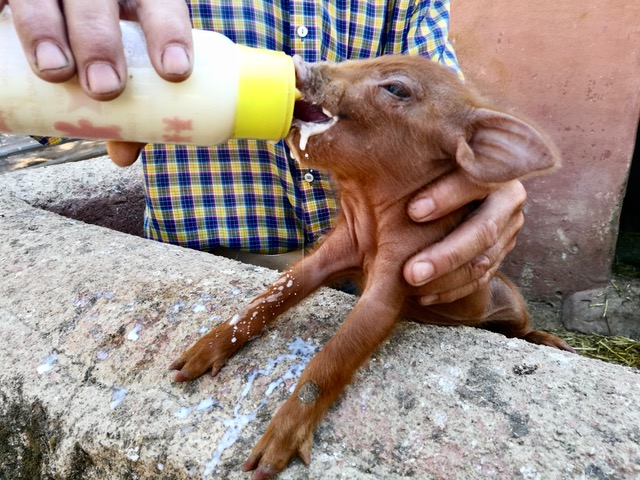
(124,154)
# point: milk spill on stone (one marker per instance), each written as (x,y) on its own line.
(206,404)
(117,396)
(301,351)
(203,406)
(134,333)
(182,413)
(102,354)
(47,364)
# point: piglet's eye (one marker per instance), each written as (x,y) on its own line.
(398,90)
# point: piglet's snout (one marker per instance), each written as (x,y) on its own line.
(302,71)
(311,82)
(316,81)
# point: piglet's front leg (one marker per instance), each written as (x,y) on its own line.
(213,350)
(290,432)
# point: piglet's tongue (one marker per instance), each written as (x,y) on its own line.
(308,112)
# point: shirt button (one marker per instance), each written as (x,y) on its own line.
(302,31)
(308,177)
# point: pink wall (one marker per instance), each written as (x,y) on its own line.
(573,68)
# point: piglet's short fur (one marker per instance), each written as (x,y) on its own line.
(384,128)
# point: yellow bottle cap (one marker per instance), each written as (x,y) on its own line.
(266,94)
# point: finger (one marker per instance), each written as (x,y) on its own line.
(41,28)
(443,287)
(445,195)
(124,154)
(473,237)
(167,29)
(95,38)
(462,289)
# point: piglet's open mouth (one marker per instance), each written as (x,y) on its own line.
(310,113)
(311,119)
(308,118)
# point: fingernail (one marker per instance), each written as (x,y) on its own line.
(422,271)
(175,60)
(102,78)
(422,208)
(49,56)
(428,299)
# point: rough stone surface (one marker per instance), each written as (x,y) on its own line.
(90,319)
(613,310)
(94,191)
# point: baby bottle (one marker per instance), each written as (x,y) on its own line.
(233,92)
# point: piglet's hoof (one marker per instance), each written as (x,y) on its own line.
(207,354)
(543,338)
(278,446)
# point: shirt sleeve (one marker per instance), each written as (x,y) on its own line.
(427,33)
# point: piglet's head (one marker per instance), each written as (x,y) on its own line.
(402,115)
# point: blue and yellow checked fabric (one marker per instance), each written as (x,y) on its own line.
(251,195)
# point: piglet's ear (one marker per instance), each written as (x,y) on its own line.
(503,148)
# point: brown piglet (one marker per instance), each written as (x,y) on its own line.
(383,128)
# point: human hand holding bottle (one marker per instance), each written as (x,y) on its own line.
(83,38)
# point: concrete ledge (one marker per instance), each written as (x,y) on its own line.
(90,318)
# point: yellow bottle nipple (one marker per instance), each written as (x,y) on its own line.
(266,94)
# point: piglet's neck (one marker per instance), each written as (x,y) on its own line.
(386,182)
(374,197)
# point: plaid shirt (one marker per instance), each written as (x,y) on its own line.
(252,195)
